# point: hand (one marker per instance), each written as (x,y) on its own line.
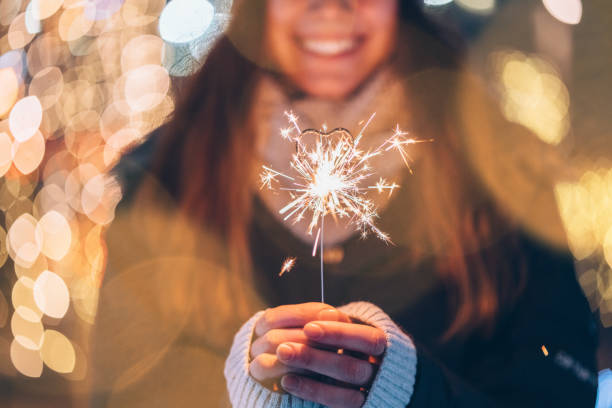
(280,325)
(299,352)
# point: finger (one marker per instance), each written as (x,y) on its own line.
(341,367)
(325,394)
(288,316)
(355,337)
(271,340)
(267,366)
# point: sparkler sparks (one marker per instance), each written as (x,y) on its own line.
(329,178)
(287,266)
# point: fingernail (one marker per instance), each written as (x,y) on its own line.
(328,314)
(290,382)
(314,331)
(285,352)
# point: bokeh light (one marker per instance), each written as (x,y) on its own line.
(51,294)
(183,21)
(566,11)
(437,2)
(25,118)
(21,241)
(28,362)
(10,89)
(586,210)
(54,233)
(57,352)
(533,94)
(478,6)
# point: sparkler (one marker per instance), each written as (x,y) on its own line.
(329,180)
(287,266)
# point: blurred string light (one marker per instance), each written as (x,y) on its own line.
(478,6)
(532,94)
(437,2)
(81,81)
(586,210)
(566,11)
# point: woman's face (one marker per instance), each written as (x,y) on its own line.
(329,47)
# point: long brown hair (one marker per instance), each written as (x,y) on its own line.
(209,145)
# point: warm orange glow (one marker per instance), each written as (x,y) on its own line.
(10,89)
(57,352)
(28,155)
(21,241)
(146,87)
(55,235)
(47,85)
(6,153)
(51,294)
(42,9)
(28,362)
(18,35)
(73,23)
(545,350)
(25,118)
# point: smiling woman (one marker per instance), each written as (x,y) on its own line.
(329,51)
(460,306)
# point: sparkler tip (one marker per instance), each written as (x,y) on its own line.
(288,265)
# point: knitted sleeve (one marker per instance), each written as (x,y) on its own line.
(392,387)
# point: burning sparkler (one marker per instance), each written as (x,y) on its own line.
(328,180)
(287,266)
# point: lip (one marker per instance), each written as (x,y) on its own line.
(330,48)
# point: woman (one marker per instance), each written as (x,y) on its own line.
(491,314)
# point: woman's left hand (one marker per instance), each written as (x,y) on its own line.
(351,362)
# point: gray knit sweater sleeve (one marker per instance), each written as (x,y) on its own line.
(392,387)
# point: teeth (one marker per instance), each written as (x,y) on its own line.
(329,47)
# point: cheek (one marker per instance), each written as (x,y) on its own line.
(281,16)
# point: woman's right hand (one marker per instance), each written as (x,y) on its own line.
(280,325)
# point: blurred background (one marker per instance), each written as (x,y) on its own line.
(83,81)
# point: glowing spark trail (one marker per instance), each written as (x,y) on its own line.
(329,178)
(287,266)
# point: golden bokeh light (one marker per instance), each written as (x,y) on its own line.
(21,241)
(27,328)
(3,250)
(57,352)
(25,118)
(46,51)
(82,82)
(143,50)
(23,296)
(478,6)
(55,235)
(28,155)
(42,9)
(18,34)
(47,85)
(51,295)
(74,23)
(146,87)
(9,10)
(32,272)
(27,362)
(10,90)
(136,13)
(6,153)
(586,210)
(52,198)
(533,94)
